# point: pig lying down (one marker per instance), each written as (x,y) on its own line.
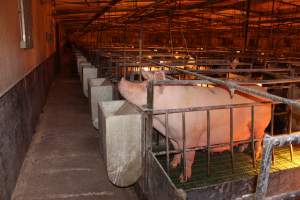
(177,96)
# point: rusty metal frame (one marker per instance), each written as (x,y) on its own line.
(269,143)
(151,112)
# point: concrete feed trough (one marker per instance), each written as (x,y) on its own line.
(99,90)
(80,59)
(120,127)
(81,66)
(88,73)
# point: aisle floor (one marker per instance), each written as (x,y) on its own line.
(63,161)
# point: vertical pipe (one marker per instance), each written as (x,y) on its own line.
(183,145)
(208,141)
(117,71)
(124,52)
(272,38)
(290,131)
(148,135)
(231,139)
(252,137)
(167,141)
(272,128)
(140,48)
(170,33)
(110,66)
(291,96)
(263,177)
(246,25)
(157,139)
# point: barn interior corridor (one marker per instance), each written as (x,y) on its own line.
(63,159)
(149,99)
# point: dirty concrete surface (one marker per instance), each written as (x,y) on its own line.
(63,161)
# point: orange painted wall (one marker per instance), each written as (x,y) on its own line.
(15,62)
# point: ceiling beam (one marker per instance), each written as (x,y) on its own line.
(101,12)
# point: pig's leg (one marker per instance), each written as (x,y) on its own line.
(258,149)
(177,157)
(259,132)
(190,156)
(258,145)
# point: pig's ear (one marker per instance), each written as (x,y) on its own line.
(147,75)
(159,75)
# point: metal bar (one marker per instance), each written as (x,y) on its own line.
(269,143)
(167,142)
(157,139)
(246,25)
(234,86)
(204,147)
(231,139)
(291,95)
(290,131)
(253,137)
(272,129)
(250,82)
(183,145)
(170,32)
(140,48)
(209,71)
(208,141)
(124,52)
(117,71)
(148,136)
(204,108)
(100,12)
(263,177)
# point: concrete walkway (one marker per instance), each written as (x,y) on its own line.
(63,161)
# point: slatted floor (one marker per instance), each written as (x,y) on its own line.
(221,168)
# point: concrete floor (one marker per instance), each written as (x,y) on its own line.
(63,161)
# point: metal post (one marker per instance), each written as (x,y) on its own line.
(231,139)
(183,145)
(290,131)
(263,178)
(272,38)
(148,136)
(208,141)
(252,137)
(124,52)
(167,142)
(246,25)
(110,66)
(272,129)
(117,68)
(170,33)
(291,96)
(269,143)
(141,48)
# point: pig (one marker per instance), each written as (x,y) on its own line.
(178,96)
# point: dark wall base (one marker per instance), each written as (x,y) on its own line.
(20,108)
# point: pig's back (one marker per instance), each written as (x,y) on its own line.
(171,97)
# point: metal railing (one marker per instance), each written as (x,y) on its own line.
(151,112)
